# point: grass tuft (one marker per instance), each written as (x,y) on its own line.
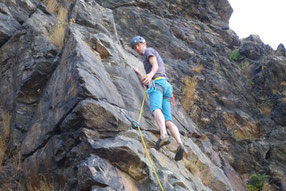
(198,69)
(52,5)
(256,182)
(43,185)
(56,37)
(189,92)
(235,55)
(6,120)
(2,150)
(57,34)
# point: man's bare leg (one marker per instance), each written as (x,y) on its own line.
(176,134)
(159,118)
(174,131)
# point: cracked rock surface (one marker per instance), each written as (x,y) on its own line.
(66,108)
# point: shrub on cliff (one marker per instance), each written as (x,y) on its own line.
(256,182)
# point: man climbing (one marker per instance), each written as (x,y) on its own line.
(160,93)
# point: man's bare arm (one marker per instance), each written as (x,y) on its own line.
(140,76)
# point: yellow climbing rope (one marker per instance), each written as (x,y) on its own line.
(151,162)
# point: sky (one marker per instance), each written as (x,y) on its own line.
(262,17)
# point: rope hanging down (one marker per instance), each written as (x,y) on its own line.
(151,162)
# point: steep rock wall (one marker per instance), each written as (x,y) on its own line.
(67,106)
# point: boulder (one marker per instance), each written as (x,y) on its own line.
(280,50)
(8,26)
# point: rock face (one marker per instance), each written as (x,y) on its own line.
(66,108)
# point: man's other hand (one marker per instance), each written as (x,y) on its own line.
(147,79)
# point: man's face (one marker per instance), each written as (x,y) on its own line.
(140,47)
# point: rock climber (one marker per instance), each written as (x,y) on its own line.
(160,93)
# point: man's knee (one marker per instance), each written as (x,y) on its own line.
(168,123)
(156,111)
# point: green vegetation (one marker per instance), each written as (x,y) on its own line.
(256,182)
(235,55)
(252,83)
(240,66)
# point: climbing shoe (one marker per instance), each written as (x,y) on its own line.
(179,153)
(162,142)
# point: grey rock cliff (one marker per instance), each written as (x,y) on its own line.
(65,106)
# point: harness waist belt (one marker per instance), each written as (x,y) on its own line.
(158,78)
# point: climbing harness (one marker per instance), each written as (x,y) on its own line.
(158,78)
(152,86)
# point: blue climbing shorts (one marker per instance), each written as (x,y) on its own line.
(160,93)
